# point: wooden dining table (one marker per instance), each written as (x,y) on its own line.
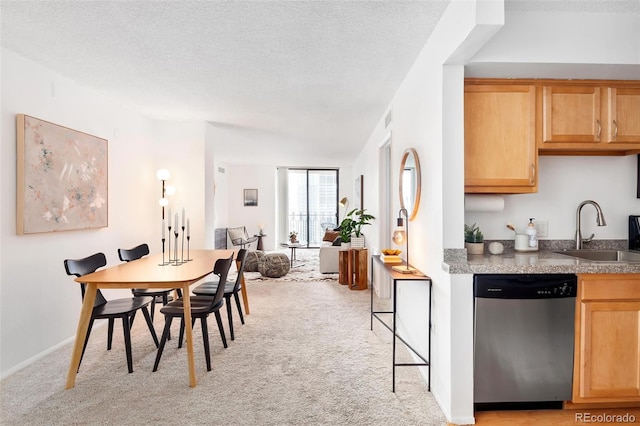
(146,272)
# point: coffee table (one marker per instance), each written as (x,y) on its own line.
(293,247)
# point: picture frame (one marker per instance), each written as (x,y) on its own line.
(61,178)
(359,192)
(250,197)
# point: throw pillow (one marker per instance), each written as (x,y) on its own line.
(330,235)
(337,241)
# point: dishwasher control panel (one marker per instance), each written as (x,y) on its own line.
(524,286)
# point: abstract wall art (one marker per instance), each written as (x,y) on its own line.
(62,179)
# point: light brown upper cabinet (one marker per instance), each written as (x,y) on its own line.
(500,138)
(590,117)
(623,110)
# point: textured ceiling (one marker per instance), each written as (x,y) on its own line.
(591,6)
(313,75)
(301,81)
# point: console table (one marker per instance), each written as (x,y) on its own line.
(398,277)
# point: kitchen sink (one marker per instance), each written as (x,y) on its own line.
(603,255)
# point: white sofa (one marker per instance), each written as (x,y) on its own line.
(328,258)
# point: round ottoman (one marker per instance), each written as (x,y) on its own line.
(274,265)
(252,260)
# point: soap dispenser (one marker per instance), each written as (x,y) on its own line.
(532,232)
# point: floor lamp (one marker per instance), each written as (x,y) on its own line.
(344,203)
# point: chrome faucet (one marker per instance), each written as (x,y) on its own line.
(599,221)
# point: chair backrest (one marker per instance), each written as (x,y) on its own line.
(328,226)
(127,255)
(240,258)
(221,269)
(84,266)
(237,235)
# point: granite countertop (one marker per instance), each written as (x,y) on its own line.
(543,261)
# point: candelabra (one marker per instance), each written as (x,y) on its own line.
(169,240)
(163,240)
(182,254)
(175,259)
(188,239)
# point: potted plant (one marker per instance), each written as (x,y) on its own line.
(293,237)
(357,241)
(346,229)
(473,239)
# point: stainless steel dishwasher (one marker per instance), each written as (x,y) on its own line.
(523,339)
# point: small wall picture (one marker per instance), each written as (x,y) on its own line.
(250,197)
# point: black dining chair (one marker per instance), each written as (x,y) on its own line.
(199,309)
(127,255)
(110,309)
(209,288)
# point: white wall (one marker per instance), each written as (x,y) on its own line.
(39,303)
(180,148)
(566,181)
(565,38)
(563,183)
(271,198)
(262,178)
(428,115)
(137,148)
(210,187)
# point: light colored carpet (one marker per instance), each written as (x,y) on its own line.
(306,268)
(305,356)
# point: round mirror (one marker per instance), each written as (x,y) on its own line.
(410,182)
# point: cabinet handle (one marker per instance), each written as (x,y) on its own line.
(533,173)
(615,130)
(599,130)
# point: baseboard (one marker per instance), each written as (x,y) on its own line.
(568,405)
(46,352)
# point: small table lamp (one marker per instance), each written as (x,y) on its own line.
(401,235)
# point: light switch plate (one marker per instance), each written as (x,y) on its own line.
(542,226)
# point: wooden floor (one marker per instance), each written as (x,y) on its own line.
(553,417)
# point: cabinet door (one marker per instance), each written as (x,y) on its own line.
(623,125)
(571,114)
(500,145)
(607,343)
(610,350)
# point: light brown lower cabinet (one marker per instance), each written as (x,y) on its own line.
(607,342)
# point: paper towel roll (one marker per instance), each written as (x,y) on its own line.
(483,203)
